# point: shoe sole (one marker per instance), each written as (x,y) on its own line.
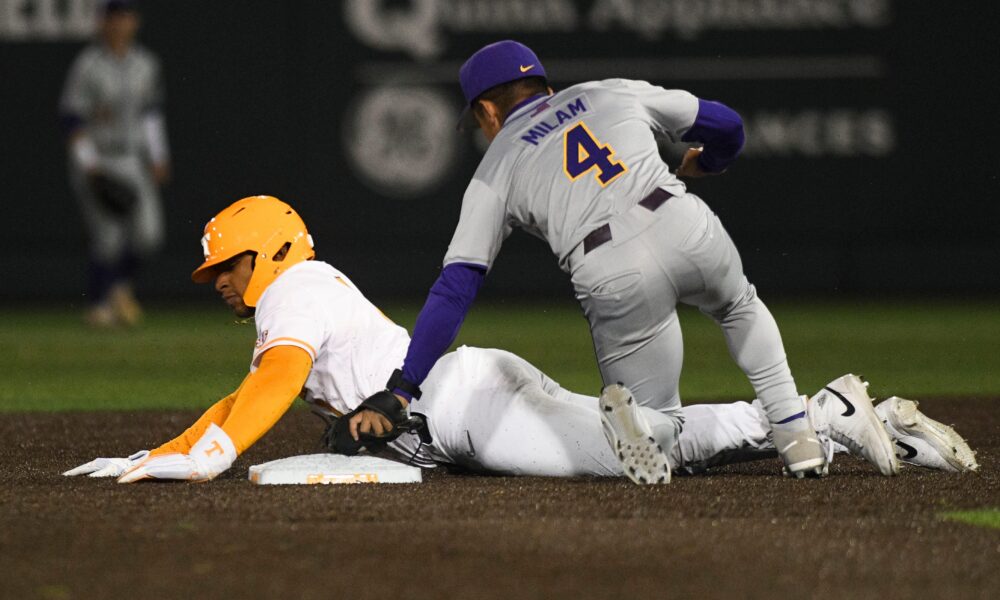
(811,468)
(631,439)
(814,468)
(885,455)
(907,419)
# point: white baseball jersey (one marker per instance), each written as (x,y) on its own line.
(565,164)
(354,347)
(119,102)
(488,410)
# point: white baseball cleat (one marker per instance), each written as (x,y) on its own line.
(843,410)
(922,441)
(803,453)
(631,437)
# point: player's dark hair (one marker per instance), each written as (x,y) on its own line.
(506,95)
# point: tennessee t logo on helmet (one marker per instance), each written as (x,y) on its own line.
(263,225)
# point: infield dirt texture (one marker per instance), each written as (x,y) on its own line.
(741,532)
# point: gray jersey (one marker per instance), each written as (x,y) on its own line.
(564,165)
(111,95)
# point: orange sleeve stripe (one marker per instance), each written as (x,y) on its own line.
(306,346)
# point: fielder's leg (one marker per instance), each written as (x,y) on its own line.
(755,344)
(107,240)
(146,233)
(638,343)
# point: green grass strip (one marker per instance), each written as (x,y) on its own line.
(190,356)
(986,517)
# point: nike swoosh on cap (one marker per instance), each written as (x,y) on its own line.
(525,69)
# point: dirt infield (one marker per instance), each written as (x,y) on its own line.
(739,532)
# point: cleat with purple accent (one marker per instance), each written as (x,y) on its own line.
(799,447)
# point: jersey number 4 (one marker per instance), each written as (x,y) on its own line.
(582,152)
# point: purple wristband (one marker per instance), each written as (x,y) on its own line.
(720,129)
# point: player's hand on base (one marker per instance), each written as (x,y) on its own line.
(108,467)
(689,165)
(212,454)
(167,466)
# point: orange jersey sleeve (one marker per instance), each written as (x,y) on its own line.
(217,414)
(266,394)
(254,408)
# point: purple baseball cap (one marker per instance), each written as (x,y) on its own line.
(492,65)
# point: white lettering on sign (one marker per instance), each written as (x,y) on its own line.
(820,133)
(689,18)
(420,27)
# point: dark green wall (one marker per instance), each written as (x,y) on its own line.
(871,163)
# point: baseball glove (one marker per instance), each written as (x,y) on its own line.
(337,437)
(112,194)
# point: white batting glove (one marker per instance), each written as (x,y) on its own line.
(108,467)
(210,456)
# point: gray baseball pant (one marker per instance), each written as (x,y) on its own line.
(111,236)
(629,288)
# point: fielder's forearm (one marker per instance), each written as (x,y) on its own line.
(439,320)
(266,394)
(83,151)
(155,131)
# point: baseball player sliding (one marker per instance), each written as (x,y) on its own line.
(580,169)
(486,410)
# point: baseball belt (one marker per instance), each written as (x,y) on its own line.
(602,235)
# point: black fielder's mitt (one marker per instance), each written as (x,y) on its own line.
(112,194)
(338,435)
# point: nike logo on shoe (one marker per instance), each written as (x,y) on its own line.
(910,450)
(850,407)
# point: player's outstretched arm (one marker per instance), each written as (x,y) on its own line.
(115,467)
(262,399)
(217,414)
(440,319)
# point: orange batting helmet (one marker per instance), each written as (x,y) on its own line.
(260,224)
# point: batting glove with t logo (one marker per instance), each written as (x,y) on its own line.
(210,456)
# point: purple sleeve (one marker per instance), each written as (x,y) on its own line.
(720,128)
(441,317)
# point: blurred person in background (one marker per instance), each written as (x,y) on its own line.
(111,113)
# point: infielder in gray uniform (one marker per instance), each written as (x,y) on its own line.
(111,112)
(580,169)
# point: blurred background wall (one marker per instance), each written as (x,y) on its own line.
(870,167)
